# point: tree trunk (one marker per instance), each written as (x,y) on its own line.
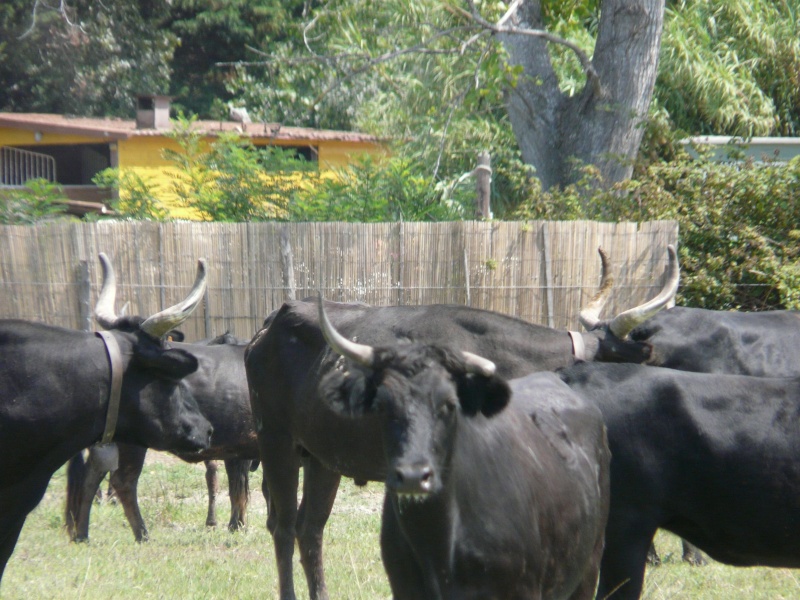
(598,126)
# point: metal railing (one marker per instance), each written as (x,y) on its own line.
(18,166)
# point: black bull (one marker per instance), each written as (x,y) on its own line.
(285,361)
(54,390)
(494,489)
(710,457)
(219,386)
(762,344)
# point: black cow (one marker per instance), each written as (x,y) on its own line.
(220,387)
(710,457)
(491,491)
(762,344)
(55,386)
(286,359)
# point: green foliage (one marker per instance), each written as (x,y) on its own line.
(731,67)
(233,180)
(81,57)
(137,199)
(375,191)
(214,34)
(738,225)
(38,201)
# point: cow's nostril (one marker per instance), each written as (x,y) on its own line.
(426,478)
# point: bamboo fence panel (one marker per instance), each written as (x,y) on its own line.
(540,271)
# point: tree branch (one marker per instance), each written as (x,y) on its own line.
(592,77)
(62,9)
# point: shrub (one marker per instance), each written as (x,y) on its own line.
(738,225)
(38,201)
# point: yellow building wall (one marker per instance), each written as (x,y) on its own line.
(333,155)
(143,155)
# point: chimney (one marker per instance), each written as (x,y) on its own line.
(152,111)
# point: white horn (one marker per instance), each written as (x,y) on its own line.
(478,364)
(160,323)
(625,322)
(589,317)
(104,309)
(358,353)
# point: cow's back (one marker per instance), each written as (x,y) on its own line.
(762,344)
(711,457)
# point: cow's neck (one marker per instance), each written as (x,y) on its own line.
(429,527)
(585,346)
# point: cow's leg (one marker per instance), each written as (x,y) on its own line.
(76,474)
(588,585)
(693,555)
(319,492)
(281,469)
(82,490)
(238,471)
(16,502)
(8,540)
(126,481)
(212,483)
(624,558)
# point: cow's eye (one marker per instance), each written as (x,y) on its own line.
(448,407)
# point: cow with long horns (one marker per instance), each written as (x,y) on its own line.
(219,386)
(63,390)
(288,357)
(494,489)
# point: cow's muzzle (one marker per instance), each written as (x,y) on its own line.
(412,480)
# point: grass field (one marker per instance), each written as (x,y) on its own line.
(184,559)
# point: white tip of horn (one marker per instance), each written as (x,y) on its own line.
(478,364)
(358,353)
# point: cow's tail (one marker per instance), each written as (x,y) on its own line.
(76,475)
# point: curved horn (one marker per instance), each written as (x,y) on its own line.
(589,317)
(478,364)
(358,353)
(104,309)
(160,323)
(624,322)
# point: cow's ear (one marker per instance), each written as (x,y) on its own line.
(478,393)
(175,335)
(347,394)
(173,364)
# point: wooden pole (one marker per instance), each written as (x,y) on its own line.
(84,293)
(483,179)
(287,262)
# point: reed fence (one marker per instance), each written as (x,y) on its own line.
(536,270)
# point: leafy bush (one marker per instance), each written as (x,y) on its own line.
(137,198)
(374,190)
(233,180)
(738,225)
(38,201)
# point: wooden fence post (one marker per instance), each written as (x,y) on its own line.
(84,295)
(483,179)
(287,262)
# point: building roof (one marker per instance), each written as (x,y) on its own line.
(120,129)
